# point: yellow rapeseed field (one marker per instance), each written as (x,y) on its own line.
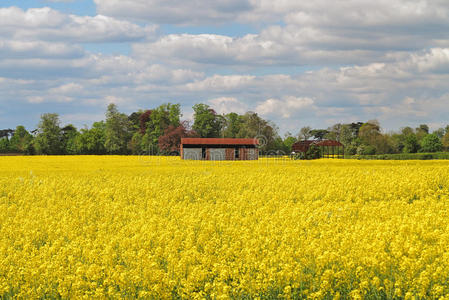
(127,227)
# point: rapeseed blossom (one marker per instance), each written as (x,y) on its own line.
(142,227)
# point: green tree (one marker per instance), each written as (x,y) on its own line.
(117,131)
(288,142)
(440,132)
(232,125)
(135,144)
(69,139)
(305,133)
(49,135)
(4,145)
(254,126)
(154,123)
(134,119)
(207,123)
(445,140)
(320,134)
(21,140)
(431,143)
(421,131)
(334,132)
(92,141)
(411,144)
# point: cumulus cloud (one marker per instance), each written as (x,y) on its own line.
(225,105)
(286,107)
(221,83)
(51,25)
(411,88)
(38,49)
(310,63)
(313,33)
(175,11)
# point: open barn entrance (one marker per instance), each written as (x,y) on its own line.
(328,148)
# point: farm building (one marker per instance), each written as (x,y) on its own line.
(219,149)
(329,148)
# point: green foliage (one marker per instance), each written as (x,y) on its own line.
(4,145)
(445,140)
(92,141)
(117,131)
(431,143)
(135,144)
(288,142)
(402,156)
(305,133)
(21,141)
(313,152)
(144,131)
(366,150)
(256,127)
(69,139)
(320,134)
(232,125)
(411,144)
(207,123)
(159,120)
(49,137)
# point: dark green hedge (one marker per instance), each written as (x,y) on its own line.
(403,156)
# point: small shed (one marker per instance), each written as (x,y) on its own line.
(219,149)
(329,148)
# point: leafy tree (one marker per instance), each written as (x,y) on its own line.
(21,140)
(334,132)
(206,121)
(69,139)
(407,130)
(170,141)
(355,127)
(313,152)
(431,143)
(440,132)
(135,144)
(288,142)
(445,141)
(134,119)
(254,126)
(366,150)
(117,131)
(319,134)
(162,117)
(4,145)
(411,144)
(305,133)
(232,125)
(49,136)
(155,122)
(92,141)
(421,131)
(424,128)
(143,120)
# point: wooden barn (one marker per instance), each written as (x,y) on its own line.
(329,148)
(219,149)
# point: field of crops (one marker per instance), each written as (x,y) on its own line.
(165,228)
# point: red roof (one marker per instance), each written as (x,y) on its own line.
(217,141)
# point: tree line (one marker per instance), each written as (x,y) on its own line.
(159,131)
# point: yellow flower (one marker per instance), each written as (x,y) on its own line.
(120,227)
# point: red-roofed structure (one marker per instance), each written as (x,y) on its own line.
(329,148)
(219,149)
